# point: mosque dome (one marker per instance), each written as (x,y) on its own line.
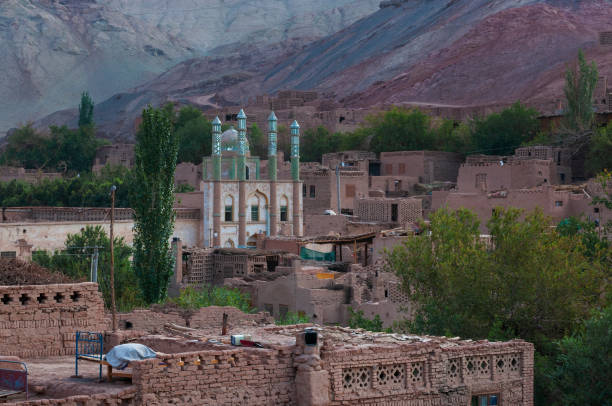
(229,140)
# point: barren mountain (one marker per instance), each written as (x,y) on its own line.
(457,53)
(451,52)
(54,49)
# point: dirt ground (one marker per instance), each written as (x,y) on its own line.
(53,378)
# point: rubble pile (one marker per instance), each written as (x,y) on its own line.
(17,272)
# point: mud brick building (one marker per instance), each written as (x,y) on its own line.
(389,210)
(343,367)
(114,155)
(364,161)
(427,166)
(187,173)
(10,173)
(529,167)
(320,189)
(325,366)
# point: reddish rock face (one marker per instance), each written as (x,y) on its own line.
(517,54)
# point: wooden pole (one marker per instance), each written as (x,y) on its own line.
(224,327)
(112,258)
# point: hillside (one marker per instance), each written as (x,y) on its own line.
(453,53)
(54,49)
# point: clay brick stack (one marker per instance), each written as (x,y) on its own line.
(41,320)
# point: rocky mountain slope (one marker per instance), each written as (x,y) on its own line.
(450,52)
(456,53)
(54,49)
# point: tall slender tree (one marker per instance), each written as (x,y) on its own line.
(156,153)
(86,109)
(580,83)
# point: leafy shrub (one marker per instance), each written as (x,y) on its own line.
(292,318)
(191,298)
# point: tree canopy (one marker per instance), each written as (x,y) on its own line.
(526,280)
(580,82)
(86,108)
(88,190)
(156,154)
(464,285)
(75,261)
(501,133)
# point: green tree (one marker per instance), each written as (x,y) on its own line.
(314,143)
(26,147)
(74,149)
(464,286)
(599,156)
(192,298)
(75,261)
(461,284)
(500,133)
(195,138)
(292,318)
(156,153)
(257,142)
(400,129)
(452,137)
(583,370)
(88,190)
(358,320)
(86,108)
(580,81)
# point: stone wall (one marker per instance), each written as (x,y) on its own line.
(251,376)
(41,320)
(426,374)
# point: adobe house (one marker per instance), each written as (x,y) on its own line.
(114,155)
(426,166)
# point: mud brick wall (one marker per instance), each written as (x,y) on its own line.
(41,320)
(125,398)
(206,317)
(213,316)
(425,374)
(249,376)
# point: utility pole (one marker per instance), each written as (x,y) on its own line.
(94,265)
(112,257)
(338,186)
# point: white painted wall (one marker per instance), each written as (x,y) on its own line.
(52,235)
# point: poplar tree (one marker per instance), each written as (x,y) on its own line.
(580,82)
(86,110)
(152,200)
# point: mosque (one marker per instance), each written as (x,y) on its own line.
(238,204)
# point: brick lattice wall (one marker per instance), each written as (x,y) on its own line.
(423,374)
(41,320)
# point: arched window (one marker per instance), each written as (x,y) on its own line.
(254,205)
(284,209)
(229,244)
(229,208)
